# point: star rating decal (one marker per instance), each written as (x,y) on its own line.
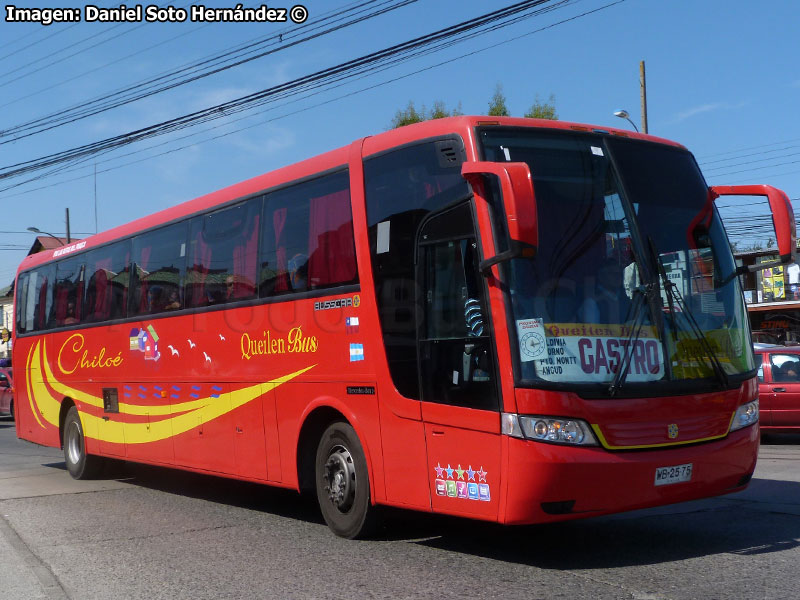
(455,484)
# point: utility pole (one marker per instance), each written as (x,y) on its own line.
(69,239)
(643,85)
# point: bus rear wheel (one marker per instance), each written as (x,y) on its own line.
(342,483)
(79,464)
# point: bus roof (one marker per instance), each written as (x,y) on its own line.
(461,125)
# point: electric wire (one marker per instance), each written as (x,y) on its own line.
(490,21)
(62,58)
(180,68)
(199,70)
(72,166)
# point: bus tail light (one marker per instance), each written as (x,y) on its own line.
(574,432)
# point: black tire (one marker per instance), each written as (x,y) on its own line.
(79,464)
(11,409)
(342,483)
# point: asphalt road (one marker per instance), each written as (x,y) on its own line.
(154,533)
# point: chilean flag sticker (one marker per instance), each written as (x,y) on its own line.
(351,325)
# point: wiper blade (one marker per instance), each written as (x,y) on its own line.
(716,365)
(674,297)
(643,293)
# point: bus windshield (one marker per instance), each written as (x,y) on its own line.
(633,281)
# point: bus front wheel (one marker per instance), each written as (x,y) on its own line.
(79,464)
(342,483)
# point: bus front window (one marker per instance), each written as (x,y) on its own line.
(633,269)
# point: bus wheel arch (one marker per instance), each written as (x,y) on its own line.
(332,461)
(314,425)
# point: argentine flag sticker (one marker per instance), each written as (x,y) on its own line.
(356,352)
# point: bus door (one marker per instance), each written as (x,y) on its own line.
(459,384)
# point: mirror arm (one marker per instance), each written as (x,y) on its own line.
(517,250)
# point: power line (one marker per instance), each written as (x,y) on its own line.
(314,93)
(72,45)
(750,148)
(392,55)
(196,71)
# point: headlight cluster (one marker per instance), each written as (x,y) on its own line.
(746,414)
(574,432)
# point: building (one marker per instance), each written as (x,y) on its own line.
(772,296)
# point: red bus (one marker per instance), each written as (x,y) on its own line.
(505,319)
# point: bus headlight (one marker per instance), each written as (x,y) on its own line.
(746,414)
(574,432)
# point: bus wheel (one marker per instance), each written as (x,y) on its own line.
(79,464)
(342,483)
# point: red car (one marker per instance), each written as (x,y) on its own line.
(6,392)
(779,387)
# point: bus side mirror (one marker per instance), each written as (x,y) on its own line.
(519,205)
(782,217)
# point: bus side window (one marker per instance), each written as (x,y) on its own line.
(158,268)
(222,256)
(24,324)
(307,237)
(68,292)
(107,275)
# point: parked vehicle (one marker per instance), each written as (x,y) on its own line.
(6,392)
(764,337)
(779,387)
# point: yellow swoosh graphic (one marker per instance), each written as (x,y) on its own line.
(28,388)
(199,411)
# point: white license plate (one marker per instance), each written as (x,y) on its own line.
(676,474)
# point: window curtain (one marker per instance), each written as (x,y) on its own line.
(102,291)
(244,264)
(331,248)
(143,284)
(281,263)
(198,273)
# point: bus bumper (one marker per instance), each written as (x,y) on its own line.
(553,482)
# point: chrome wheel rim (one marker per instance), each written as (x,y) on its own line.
(340,478)
(74,446)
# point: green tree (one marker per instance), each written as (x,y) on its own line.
(497,105)
(543,110)
(408,116)
(440,111)
(497,108)
(411,115)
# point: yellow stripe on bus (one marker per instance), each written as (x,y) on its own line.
(608,446)
(200,411)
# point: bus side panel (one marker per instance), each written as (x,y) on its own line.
(296,400)
(404,455)
(35,423)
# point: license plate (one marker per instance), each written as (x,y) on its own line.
(676,474)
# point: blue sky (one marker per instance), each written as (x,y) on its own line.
(721,79)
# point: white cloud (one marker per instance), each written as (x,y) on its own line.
(697,110)
(705,108)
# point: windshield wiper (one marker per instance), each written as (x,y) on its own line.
(642,296)
(674,297)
